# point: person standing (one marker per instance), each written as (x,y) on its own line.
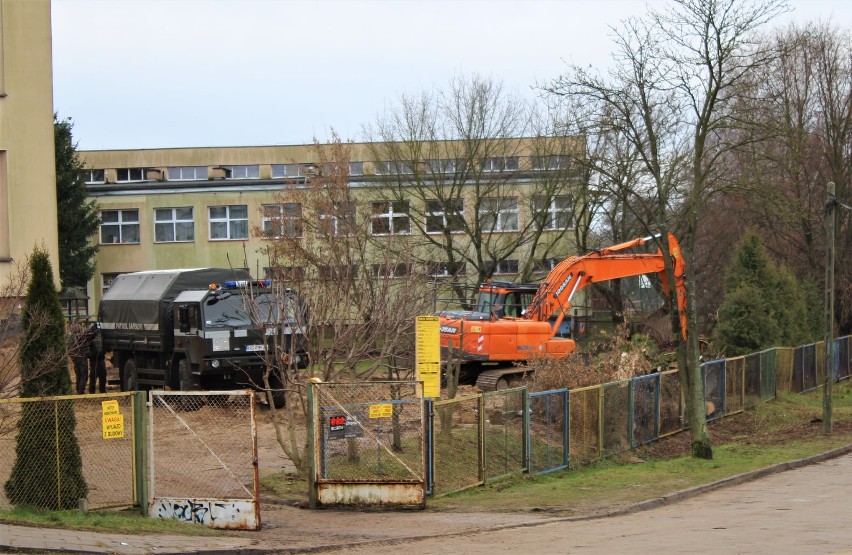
(96,359)
(79,352)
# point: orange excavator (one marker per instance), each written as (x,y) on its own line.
(513,322)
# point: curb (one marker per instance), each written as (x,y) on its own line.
(671,498)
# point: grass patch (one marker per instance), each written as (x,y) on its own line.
(120,522)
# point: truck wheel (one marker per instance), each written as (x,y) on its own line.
(131,380)
(279,399)
(187,403)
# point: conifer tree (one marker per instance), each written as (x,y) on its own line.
(77,215)
(48,467)
(764,304)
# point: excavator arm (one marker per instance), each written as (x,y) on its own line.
(574,273)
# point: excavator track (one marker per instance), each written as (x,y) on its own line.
(500,378)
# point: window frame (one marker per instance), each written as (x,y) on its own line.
(185,169)
(390,215)
(432,213)
(230,171)
(274,173)
(500,213)
(228,221)
(89,177)
(553,212)
(142,176)
(330,222)
(287,215)
(501,164)
(174,221)
(121,224)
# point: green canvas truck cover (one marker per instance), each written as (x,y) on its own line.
(142,300)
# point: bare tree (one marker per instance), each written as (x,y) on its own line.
(359,292)
(675,74)
(802,140)
(454,160)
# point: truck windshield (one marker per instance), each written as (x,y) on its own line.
(230,310)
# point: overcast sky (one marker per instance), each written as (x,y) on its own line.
(173,73)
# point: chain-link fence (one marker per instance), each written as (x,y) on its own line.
(456,440)
(734,385)
(713,374)
(55,451)
(369,431)
(841,354)
(203,451)
(504,429)
(548,431)
(671,403)
(616,417)
(768,374)
(645,403)
(584,425)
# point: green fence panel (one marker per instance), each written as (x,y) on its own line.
(734,385)
(616,417)
(456,444)
(584,425)
(671,403)
(768,375)
(504,443)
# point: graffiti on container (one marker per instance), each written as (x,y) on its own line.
(215,513)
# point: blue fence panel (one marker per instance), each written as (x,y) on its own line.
(547,432)
(713,374)
(809,367)
(645,403)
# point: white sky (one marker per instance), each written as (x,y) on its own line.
(172,73)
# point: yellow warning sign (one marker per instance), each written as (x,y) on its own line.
(429,355)
(109,407)
(113,426)
(384,410)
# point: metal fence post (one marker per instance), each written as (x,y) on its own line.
(312,459)
(141,437)
(527,441)
(481,423)
(430,447)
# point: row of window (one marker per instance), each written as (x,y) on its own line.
(282,171)
(176,225)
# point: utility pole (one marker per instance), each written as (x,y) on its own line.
(829,309)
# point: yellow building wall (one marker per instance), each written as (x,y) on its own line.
(27,158)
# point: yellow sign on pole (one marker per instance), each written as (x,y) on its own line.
(429,355)
(112,420)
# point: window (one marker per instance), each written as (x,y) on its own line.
(119,226)
(391,167)
(500,163)
(284,273)
(502,267)
(550,162)
(228,222)
(390,218)
(174,225)
(356,168)
(445,165)
(342,273)
(107,279)
(445,215)
(124,175)
(187,173)
(390,270)
(338,220)
(280,171)
(442,269)
(242,172)
(499,214)
(282,220)
(556,211)
(94,176)
(546,265)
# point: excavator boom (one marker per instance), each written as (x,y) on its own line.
(501,331)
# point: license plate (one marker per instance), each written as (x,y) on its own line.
(250,348)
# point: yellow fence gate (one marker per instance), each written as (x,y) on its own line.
(368,444)
(203,458)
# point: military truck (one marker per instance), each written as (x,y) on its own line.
(207,328)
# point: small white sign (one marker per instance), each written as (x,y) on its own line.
(251,348)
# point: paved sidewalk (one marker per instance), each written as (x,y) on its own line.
(288,529)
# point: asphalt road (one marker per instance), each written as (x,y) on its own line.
(808,510)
